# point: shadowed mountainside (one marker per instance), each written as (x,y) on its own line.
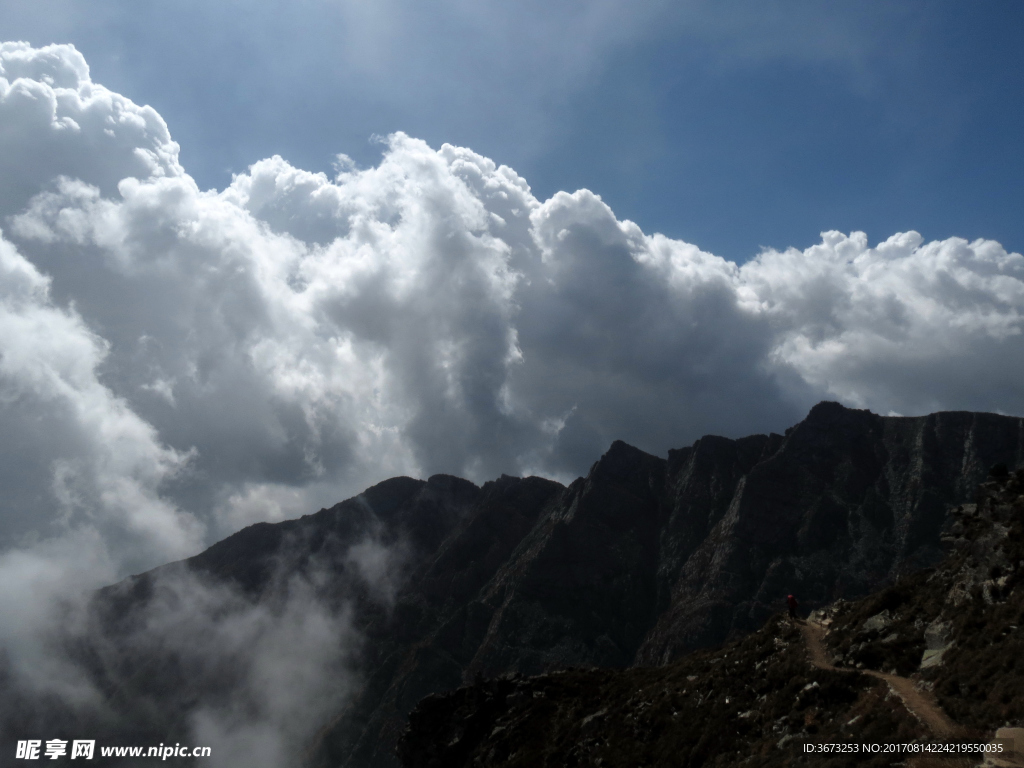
(933,658)
(646,559)
(639,563)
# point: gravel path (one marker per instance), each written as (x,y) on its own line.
(919,703)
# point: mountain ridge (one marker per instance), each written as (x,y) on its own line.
(635,564)
(639,563)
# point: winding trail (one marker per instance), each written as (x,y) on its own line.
(918,702)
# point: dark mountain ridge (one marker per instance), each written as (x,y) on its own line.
(639,563)
(933,660)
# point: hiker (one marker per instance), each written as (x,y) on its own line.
(791,602)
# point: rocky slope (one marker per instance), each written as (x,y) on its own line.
(638,563)
(754,702)
(952,632)
(958,626)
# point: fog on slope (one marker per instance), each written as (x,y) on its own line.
(177,363)
(180,656)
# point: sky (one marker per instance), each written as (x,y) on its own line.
(256,257)
(260,256)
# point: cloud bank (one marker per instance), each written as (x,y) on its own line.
(179,362)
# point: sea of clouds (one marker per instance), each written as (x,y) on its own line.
(177,363)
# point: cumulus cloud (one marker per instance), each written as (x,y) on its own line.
(54,120)
(295,337)
(75,456)
(176,363)
(906,326)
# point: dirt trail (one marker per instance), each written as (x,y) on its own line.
(920,704)
(917,702)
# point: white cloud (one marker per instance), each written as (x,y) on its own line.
(903,326)
(175,359)
(106,464)
(55,121)
(252,680)
(83,475)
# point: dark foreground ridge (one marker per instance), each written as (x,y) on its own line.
(934,658)
(638,564)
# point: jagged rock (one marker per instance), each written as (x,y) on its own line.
(845,502)
(877,623)
(754,702)
(646,559)
(936,641)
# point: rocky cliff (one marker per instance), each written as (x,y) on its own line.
(846,501)
(638,563)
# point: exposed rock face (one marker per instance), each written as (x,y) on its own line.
(958,626)
(169,643)
(636,564)
(417,514)
(646,559)
(427,642)
(845,502)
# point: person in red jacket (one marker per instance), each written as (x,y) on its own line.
(791,602)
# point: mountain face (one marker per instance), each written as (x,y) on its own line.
(846,501)
(638,563)
(933,658)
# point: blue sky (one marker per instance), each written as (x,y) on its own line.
(733,125)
